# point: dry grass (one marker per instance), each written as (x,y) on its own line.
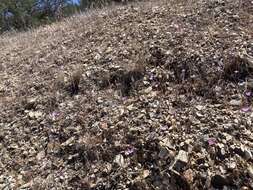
(47,48)
(68,43)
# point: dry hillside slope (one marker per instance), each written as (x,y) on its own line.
(152,95)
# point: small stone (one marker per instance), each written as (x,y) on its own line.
(181,160)
(182,157)
(167,143)
(30,104)
(248,155)
(100,100)
(231,165)
(244,188)
(235,103)
(222,170)
(217,89)
(69,142)
(199,115)
(35,114)
(199,107)
(204,166)
(228,137)
(40,155)
(145,173)
(130,107)
(119,159)
(250,171)
(148,90)
(26,185)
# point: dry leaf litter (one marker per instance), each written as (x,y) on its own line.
(152,95)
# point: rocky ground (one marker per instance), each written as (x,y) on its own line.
(152,95)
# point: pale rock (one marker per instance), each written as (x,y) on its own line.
(199,107)
(148,90)
(40,155)
(119,159)
(235,103)
(250,171)
(181,160)
(30,104)
(35,114)
(145,174)
(231,165)
(248,154)
(167,143)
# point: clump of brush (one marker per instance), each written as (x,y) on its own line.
(74,82)
(130,77)
(126,78)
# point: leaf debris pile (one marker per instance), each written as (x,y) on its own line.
(154,95)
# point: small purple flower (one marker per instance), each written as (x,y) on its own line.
(54,114)
(129,151)
(124,98)
(152,77)
(248,93)
(246,109)
(211,141)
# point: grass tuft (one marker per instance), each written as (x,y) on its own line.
(75,79)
